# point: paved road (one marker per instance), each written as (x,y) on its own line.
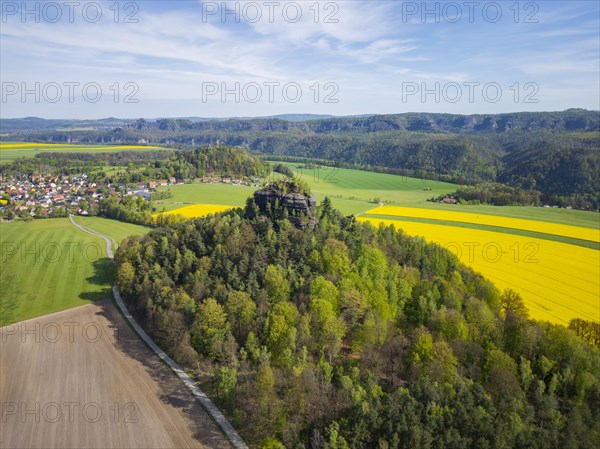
(206,403)
(109,251)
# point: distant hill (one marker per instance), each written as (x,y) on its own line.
(555,152)
(300,117)
(36,123)
(569,120)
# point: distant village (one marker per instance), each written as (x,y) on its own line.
(41,196)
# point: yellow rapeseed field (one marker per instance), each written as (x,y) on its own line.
(557,281)
(576,232)
(197,210)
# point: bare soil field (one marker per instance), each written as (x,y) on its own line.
(82,379)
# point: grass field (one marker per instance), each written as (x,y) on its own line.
(9,151)
(550,293)
(356,191)
(352,191)
(116,230)
(557,281)
(218,194)
(47,266)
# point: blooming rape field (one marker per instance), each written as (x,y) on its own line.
(564,230)
(557,281)
(197,210)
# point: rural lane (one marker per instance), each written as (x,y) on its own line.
(204,400)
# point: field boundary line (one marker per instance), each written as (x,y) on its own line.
(48,315)
(584,243)
(208,405)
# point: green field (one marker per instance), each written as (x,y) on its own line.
(9,151)
(116,230)
(351,191)
(186,194)
(47,266)
(33,287)
(354,192)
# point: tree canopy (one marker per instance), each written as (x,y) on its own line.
(343,335)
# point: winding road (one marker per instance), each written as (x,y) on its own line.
(208,405)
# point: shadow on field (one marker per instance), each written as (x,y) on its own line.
(103,275)
(173,390)
(10,292)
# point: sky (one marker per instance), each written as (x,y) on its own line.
(85,60)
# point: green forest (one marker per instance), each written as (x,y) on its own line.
(136,167)
(342,335)
(555,153)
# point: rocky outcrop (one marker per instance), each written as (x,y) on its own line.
(299,205)
(294,202)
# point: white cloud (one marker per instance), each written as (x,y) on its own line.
(171,51)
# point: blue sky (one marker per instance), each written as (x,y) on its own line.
(185,58)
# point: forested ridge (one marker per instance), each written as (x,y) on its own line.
(569,120)
(187,164)
(343,335)
(556,153)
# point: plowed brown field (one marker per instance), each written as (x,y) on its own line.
(82,379)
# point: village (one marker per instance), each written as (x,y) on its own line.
(45,196)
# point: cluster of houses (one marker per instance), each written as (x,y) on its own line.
(145,190)
(228,180)
(42,194)
(448,200)
(163,182)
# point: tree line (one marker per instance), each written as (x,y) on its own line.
(555,153)
(142,166)
(344,335)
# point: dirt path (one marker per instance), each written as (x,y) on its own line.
(82,379)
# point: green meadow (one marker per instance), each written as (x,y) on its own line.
(116,230)
(199,193)
(39,274)
(357,191)
(48,266)
(352,191)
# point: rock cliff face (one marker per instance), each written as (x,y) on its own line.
(294,202)
(300,206)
